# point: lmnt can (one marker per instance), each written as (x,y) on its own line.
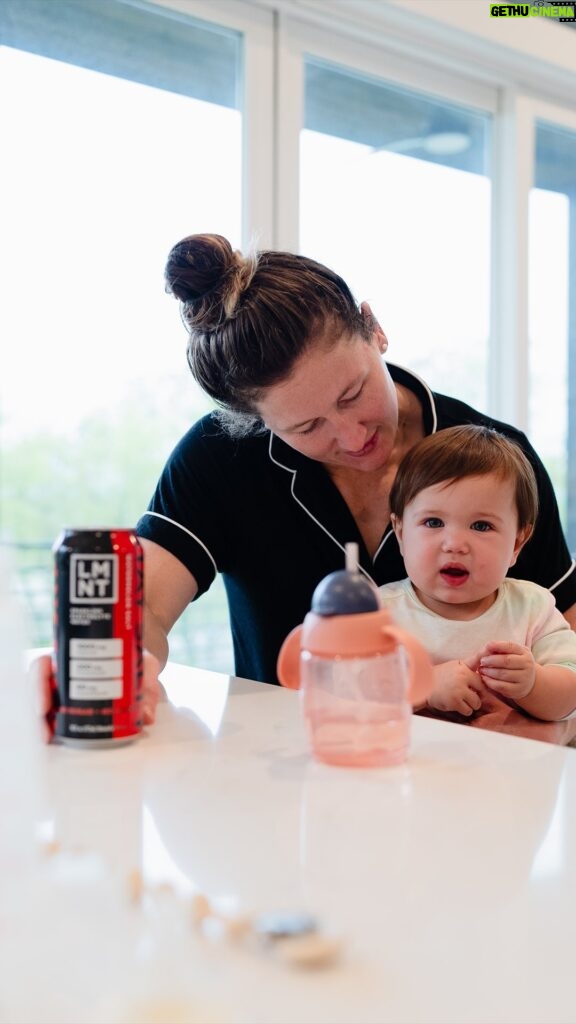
(98,577)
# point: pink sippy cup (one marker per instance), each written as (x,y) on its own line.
(359,673)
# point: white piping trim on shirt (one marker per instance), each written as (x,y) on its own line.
(424,385)
(317,521)
(385,538)
(307,511)
(189,532)
(564,577)
(426,389)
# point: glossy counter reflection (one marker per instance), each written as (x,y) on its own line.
(447,866)
(451,879)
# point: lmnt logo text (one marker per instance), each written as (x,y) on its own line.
(93,579)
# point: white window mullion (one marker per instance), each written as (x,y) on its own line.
(258,163)
(288,124)
(258,107)
(512,181)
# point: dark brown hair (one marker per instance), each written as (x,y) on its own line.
(458,452)
(250,318)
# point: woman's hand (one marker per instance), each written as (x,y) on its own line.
(152,689)
(42,675)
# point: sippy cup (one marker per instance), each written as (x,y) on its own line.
(359,673)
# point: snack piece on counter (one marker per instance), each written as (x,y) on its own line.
(284,924)
(311,950)
(135,883)
(293,936)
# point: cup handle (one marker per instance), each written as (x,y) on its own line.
(420,675)
(288,664)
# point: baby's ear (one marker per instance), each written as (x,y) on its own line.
(522,536)
(397,527)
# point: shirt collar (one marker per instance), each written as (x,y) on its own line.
(314,491)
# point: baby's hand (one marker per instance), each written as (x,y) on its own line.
(456,687)
(508,668)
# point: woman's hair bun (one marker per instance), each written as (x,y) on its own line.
(197,265)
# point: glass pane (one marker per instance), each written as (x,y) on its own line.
(100,176)
(395,197)
(552,314)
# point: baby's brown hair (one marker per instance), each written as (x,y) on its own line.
(457,452)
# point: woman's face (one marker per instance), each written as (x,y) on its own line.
(339,405)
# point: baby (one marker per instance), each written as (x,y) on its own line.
(463,504)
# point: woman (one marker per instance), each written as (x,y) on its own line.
(302,455)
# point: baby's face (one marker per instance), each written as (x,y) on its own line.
(458,540)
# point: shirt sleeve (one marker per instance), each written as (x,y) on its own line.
(187,514)
(552,641)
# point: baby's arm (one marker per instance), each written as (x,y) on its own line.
(456,687)
(544,691)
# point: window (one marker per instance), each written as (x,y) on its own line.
(395,196)
(376,140)
(111,154)
(552,312)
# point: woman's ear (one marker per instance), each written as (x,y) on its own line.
(522,536)
(379,335)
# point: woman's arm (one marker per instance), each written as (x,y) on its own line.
(168,589)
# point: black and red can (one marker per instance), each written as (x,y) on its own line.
(98,599)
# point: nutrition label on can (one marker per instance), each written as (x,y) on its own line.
(96,669)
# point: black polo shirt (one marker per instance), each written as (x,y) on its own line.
(273,523)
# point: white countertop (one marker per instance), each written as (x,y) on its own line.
(451,880)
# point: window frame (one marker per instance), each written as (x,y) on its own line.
(257,24)
(447,51)
(460,54)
